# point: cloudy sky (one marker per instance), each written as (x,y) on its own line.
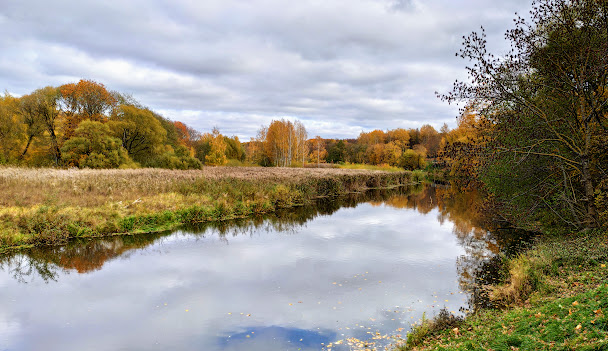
(339,66)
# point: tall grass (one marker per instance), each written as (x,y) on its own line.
(382,167)
(48,206)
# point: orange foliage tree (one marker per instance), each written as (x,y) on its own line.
(85,100)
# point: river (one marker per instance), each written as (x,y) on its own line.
(356,270)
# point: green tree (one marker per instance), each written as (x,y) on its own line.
(93,147)
(412,159)
(140,132)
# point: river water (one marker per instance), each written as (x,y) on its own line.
(342,271)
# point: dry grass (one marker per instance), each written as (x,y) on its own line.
(24,187)
(49,206)
(521,283)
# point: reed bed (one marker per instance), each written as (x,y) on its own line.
(49,206)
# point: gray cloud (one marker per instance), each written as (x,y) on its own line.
(340,66)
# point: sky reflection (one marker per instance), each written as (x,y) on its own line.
(259,285)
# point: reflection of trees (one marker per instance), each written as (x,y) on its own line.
(79,255)
(89,255)
(21,266)
(479,237)
(483,240)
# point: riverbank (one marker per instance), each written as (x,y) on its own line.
(554,297)
(50,206)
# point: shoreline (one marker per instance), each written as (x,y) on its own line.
(554,295)
(42,207)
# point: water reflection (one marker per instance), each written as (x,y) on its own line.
(304,277)
(86,255)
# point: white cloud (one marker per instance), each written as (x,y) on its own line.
(364,64)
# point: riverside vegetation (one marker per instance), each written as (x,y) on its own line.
(50,206)
(534,138)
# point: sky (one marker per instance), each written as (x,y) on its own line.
(339,66)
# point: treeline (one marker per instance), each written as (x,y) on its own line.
(284,143)
(534,133)
(406,148)
(86,125)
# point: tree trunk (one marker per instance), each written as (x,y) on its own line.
(587,180)
(27,146)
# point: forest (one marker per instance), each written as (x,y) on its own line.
(85,125)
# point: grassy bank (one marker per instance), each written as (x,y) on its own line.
(554,297)
(50,206)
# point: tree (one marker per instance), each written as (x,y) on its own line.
(41,107)
(217,152)
(336,151)
(140,132)
(391,154)
(34,126)
(11,130)
(318,153)
(430,139)
(412,159)
(185,135)
(400,137)
(461,149)
(85,100)
(93,146)
(547,104)
(283,142)
(301,142)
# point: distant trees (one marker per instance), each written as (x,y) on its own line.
(281,143)
(84,124)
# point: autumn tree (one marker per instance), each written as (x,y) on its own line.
(547,104)
(40,112)
(318,152)
(11,130)
(430,139)
(413,159)
(185,135)
(217,149)
(301,142)
(85,100)
(462,149)
(400,137)
(283,142)
(31,120)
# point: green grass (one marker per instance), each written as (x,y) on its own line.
(564,305)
